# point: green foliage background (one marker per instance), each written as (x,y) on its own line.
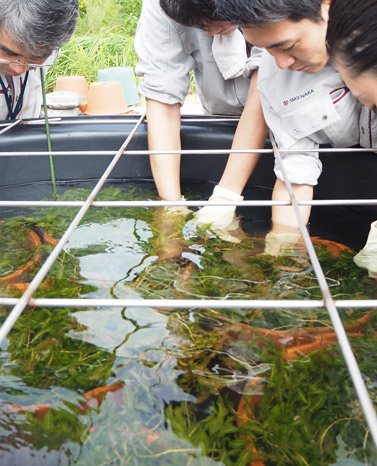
(103,38)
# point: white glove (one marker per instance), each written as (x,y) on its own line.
(218,217)
(367,257)
(283,244)
(184,211)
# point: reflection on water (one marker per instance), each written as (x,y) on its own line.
(179,386)
(112,251)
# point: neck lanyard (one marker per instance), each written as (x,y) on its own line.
(13,114)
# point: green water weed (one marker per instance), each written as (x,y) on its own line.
(184,372)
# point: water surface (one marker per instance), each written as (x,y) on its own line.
(194,386)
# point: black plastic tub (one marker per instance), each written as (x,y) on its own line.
(108,134)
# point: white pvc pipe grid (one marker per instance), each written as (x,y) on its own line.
(120,121)
(77,204)
(172,152)
(328,302)
(185,203)
(191,303)
(10,126)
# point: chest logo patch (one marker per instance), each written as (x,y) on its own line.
(298,97)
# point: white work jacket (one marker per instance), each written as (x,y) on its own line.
(32,99)
(304,110)
(168,52)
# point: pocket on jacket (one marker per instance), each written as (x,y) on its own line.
(310,116)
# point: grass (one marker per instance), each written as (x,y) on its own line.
(96,15)
(85,55)
(103,38)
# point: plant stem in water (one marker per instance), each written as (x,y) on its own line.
(52,169)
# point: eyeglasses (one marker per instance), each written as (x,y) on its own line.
(50,61)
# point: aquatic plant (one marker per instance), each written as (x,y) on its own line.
(173,386)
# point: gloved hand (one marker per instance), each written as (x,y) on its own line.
(367,257)
(183,211)
(284,244)
(219,218)
(233,233)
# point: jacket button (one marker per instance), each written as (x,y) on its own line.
(324,117)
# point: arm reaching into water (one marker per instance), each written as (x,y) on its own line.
(285,237)
(164,126)
(251,132)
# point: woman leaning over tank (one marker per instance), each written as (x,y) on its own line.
(352,44)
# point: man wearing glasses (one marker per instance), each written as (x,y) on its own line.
(31,33)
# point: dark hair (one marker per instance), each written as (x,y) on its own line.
(352,34)
(193,13)
(38,27)
(247,12)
